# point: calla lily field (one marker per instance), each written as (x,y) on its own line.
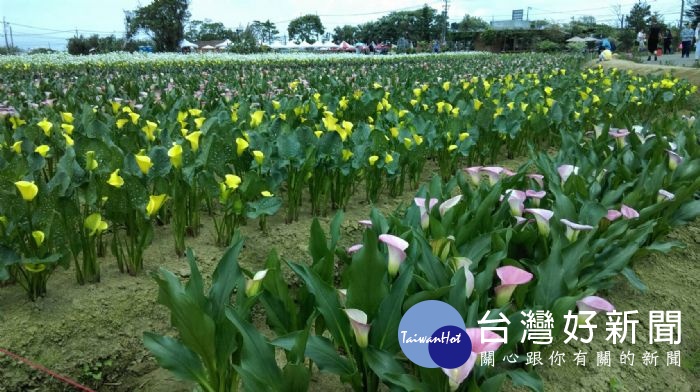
(100,154)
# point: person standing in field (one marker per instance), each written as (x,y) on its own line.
(668,38)
(653,41)
(641,37)
(687,35)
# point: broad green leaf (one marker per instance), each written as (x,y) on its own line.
(176,357)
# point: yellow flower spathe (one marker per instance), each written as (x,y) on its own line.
(27,189)
(17,147)
(266,194)
(199,121)
(69,140)
(67,128)
(134,117)
(46,126)
(90,161)
(256,118)
(193,138)
(232,181)
(67,117)
(115,179)
(149,129)
(144,163)
(259,156)
(95,224)
(42,150)
(175,154)
(347,154)
(388,158)
(39,237)
(241,145)
(121,122)
(195,112)
(373,159)
(155,203)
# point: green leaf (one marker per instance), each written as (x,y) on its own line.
(367,277)
(267,206)
(634,279)
(227,277)
(389,370)
(522,378)
(385,326)
(322,352)
(665,247)
(493,384)
(174,356)
(296,378)
(437,294)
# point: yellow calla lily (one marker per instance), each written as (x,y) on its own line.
(199,121)
(27,189)
(69,140)
(259,156)
(42,150)
(373,159)
(115,179)
(134,117)
(17,147)
(175,154)
(193,138)
(241,145)
(256,118)
(90,161)
(67,117)
(275,104)
(232,181)
(155,203)
(121,122)
(39,237)
(266,194)
(144,162)
(95,224)
(347,154)
(388,158)
(67,128)
(46,126)
(195,112)
(149,129)
(36,268)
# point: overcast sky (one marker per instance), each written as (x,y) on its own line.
(43,23)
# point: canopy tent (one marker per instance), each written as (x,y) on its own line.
(277,45)
(305,45)
(344,45)
(187,44)
(591,39)
(207,47)
(227,42)
(291,45)
(575,39)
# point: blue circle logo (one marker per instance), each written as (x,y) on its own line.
(432,334)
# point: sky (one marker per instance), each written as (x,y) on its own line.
(49,23)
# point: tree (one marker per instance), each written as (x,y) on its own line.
(264,31)
(472,23)
(207,30)
(693,13)
(163,20)
(345,33)
(639,16)
(619,15)
(305,28)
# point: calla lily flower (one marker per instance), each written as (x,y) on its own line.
(493,172)
(253,286)
(373,159)
(396,247)
(266,194)
(241,145)
(199,121)
(354,249)
(42,150)
(365,222)
(67,128)
(144,163)
(673,160)
(155,203)
(425,212)
(90,161)
(665,195)
(259,156)
(149,129)
(520,220)
(134,117)
(572,229)
(115,179)
(193,138)
(175,154)
(232,181)
(27,189)
(613,215)
(69,140)
(193,112)
(45,126)
(67,117)
(628,212)
(542,218)
(360,327)
(457,375)
(516,201)
(449,203)
(95,224)
(469,276)
(481,344)
(256,118)
(535,196)
(594,304)
(17,147)
(474,174)
(619,135)
(510,278)
(38,236)
(121,122)
(538,178)
(342,296)
(565,171)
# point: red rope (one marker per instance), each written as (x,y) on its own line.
(66,380)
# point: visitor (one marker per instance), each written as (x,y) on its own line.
(687,35)
(641,37)
(653,41)
(436,46)
(668,38)
(697,39)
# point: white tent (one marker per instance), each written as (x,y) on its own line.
(224,44)
(277,45)
(575,39)
(305,45)
(291,45)
(207,47)
(187,44)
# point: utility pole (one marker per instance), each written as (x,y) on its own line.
(680,24)
(444,14)
(4,31)
(528,14)
(12,38)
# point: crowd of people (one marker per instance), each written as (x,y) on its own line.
(650,41)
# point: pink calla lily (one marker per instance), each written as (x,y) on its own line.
(613,215)
(493,172)
(474,174)
(538,178)
(516,201)
(449,203)
(458,375)
(664,195)
(354,248)
(572,229)
(628,212)
(425,212)
(619,135)
(365,222)
(360,327)
(535,196)
(510,278)
(542,218)
(396,247)
(565,171)
(673,160)
(594,304)
(484,340)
